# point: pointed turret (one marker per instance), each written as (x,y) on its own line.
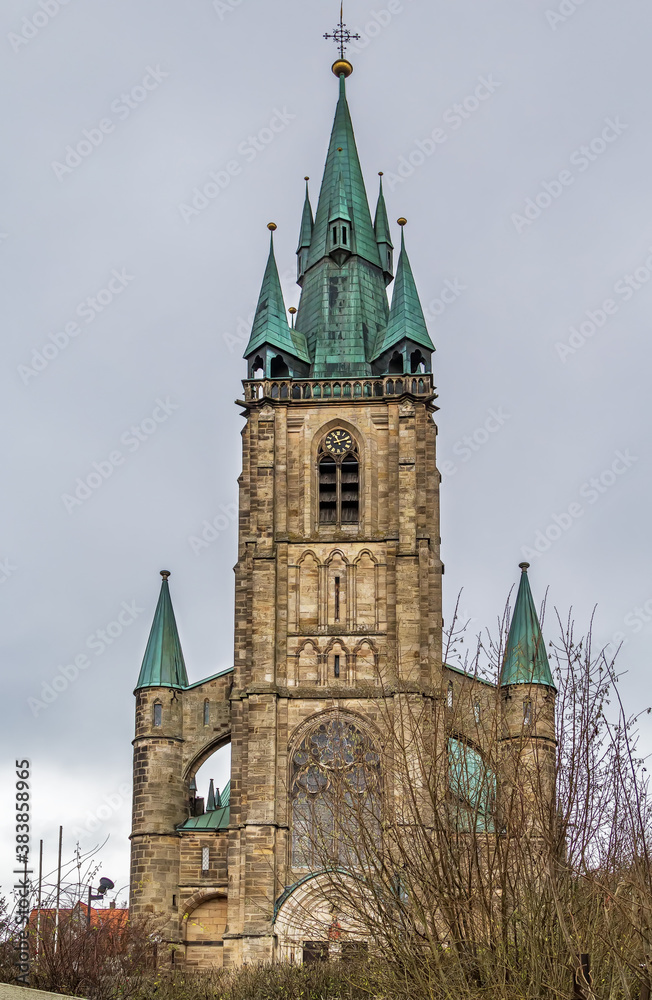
(405,344)
(279,350)
(305,236)
(343,165)
(383,235)
(210,802)
(526,660)
(163,664)
(343,301)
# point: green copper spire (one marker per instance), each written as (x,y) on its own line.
(406,319)
(270,322)
(210,803)
(163,664)
(526,660)
(342,162)
(381,222)
(343,302)
(307,222)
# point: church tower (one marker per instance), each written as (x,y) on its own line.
(338,619)
(338,581)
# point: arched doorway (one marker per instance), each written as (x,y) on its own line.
(204,933)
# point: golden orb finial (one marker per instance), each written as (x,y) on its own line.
(292,310)
(271,226)
(402,222)
(165,573)
(342,67)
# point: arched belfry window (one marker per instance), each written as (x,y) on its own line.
(335,791)
(339,479)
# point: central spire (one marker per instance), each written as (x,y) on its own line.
(343,327)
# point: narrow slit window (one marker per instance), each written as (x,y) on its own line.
(449,695)
(337,598)
(344,235)
(527,712)
(476,711)
(334,234)
(336,666)
(205,859)
(158,714)
(207,712)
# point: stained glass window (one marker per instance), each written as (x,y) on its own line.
(335,792)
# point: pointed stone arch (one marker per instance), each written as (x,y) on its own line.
(338,663)
(308,664)
(366,663)
(309,572)
(366,590)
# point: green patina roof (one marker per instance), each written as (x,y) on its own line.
(305,236)
(473,784)
(343,307)
(381,222)
(526,660)
(214,819)
(163,664)
(340,208)
(270,322)
(406,319)
(342,161)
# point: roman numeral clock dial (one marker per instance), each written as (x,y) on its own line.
(338,442)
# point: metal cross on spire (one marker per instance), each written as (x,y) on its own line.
(341,34)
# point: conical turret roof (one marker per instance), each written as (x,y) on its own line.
(526,660)
(406,319)
(307,222)
(163,663)
(270,324)
(381,222)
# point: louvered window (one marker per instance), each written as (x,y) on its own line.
(339,488)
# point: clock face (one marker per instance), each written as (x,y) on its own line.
(338,442)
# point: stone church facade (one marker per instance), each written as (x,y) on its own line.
(338,609)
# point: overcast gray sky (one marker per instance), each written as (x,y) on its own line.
(517,140)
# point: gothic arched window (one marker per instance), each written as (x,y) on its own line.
(339,479)
(335,794)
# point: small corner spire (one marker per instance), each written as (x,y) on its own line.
(210,802)
(406,319)
(526,660)
(270,324)
(163,664)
